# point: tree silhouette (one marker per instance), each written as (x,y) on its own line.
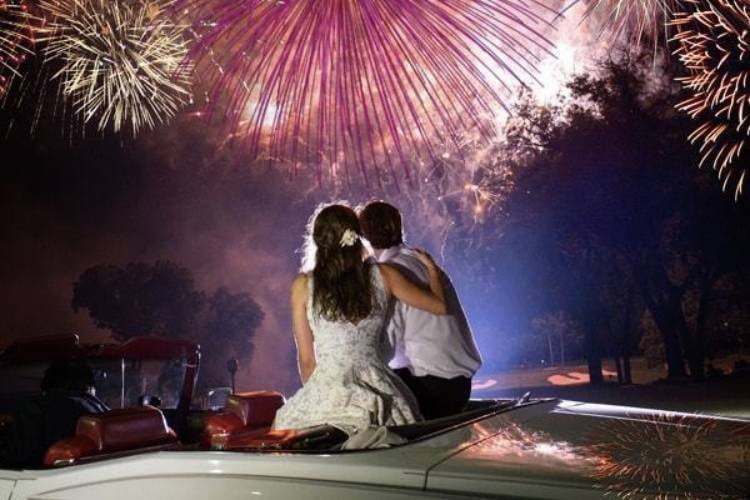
(228,320)
(611,216)
(161,299)
(139,299)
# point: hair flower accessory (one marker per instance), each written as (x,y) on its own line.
(349,238)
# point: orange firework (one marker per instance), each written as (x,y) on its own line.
(670,456)
(713,44)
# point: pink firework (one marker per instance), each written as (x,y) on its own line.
(17,38)
(376,84)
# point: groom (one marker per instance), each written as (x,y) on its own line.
(436,356)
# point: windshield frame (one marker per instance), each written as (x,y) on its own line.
(47,348)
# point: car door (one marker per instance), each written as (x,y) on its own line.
(7,482)
(226,476)
(201,487)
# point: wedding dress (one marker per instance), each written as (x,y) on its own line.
(352,387)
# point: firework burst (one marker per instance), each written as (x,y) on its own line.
(713,44)
(118,62)
(17,39)
(670,456)
(371,83)
(636,20)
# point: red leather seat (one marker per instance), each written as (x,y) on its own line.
(259,438)
(246,415)
(113,431)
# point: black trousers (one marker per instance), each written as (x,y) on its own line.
(437,397)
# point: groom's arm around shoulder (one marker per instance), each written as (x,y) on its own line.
(432,300)
(303,336)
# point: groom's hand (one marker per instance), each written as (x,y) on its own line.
(425,258)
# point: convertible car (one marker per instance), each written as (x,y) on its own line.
(523,448)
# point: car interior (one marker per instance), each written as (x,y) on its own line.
(141,422)
(244,425)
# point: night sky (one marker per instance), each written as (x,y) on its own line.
(167,195)
(177,194)
(182,193)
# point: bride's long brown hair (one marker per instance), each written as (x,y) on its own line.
(341,280)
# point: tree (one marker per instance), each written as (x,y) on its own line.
(610,213)
(227,331)
(139,299)
(558,330)
(161,299)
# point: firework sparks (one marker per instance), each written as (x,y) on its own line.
(635,19)
(480,194)
(714,46)
(516,443)
(668,456)
(17,38)
(372,82)
(119,62)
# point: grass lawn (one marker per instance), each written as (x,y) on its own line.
(729,396)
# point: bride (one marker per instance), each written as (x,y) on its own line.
(338,317)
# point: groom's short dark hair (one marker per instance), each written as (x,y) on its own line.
(381,224)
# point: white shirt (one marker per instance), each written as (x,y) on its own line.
(426,343)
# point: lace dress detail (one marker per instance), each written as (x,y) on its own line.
(352,387)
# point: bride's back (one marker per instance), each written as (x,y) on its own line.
(344,342)
(347,302)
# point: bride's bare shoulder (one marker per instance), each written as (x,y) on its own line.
(299,285)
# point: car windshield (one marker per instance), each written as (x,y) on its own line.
(120,383)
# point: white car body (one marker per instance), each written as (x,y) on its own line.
(548,449)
